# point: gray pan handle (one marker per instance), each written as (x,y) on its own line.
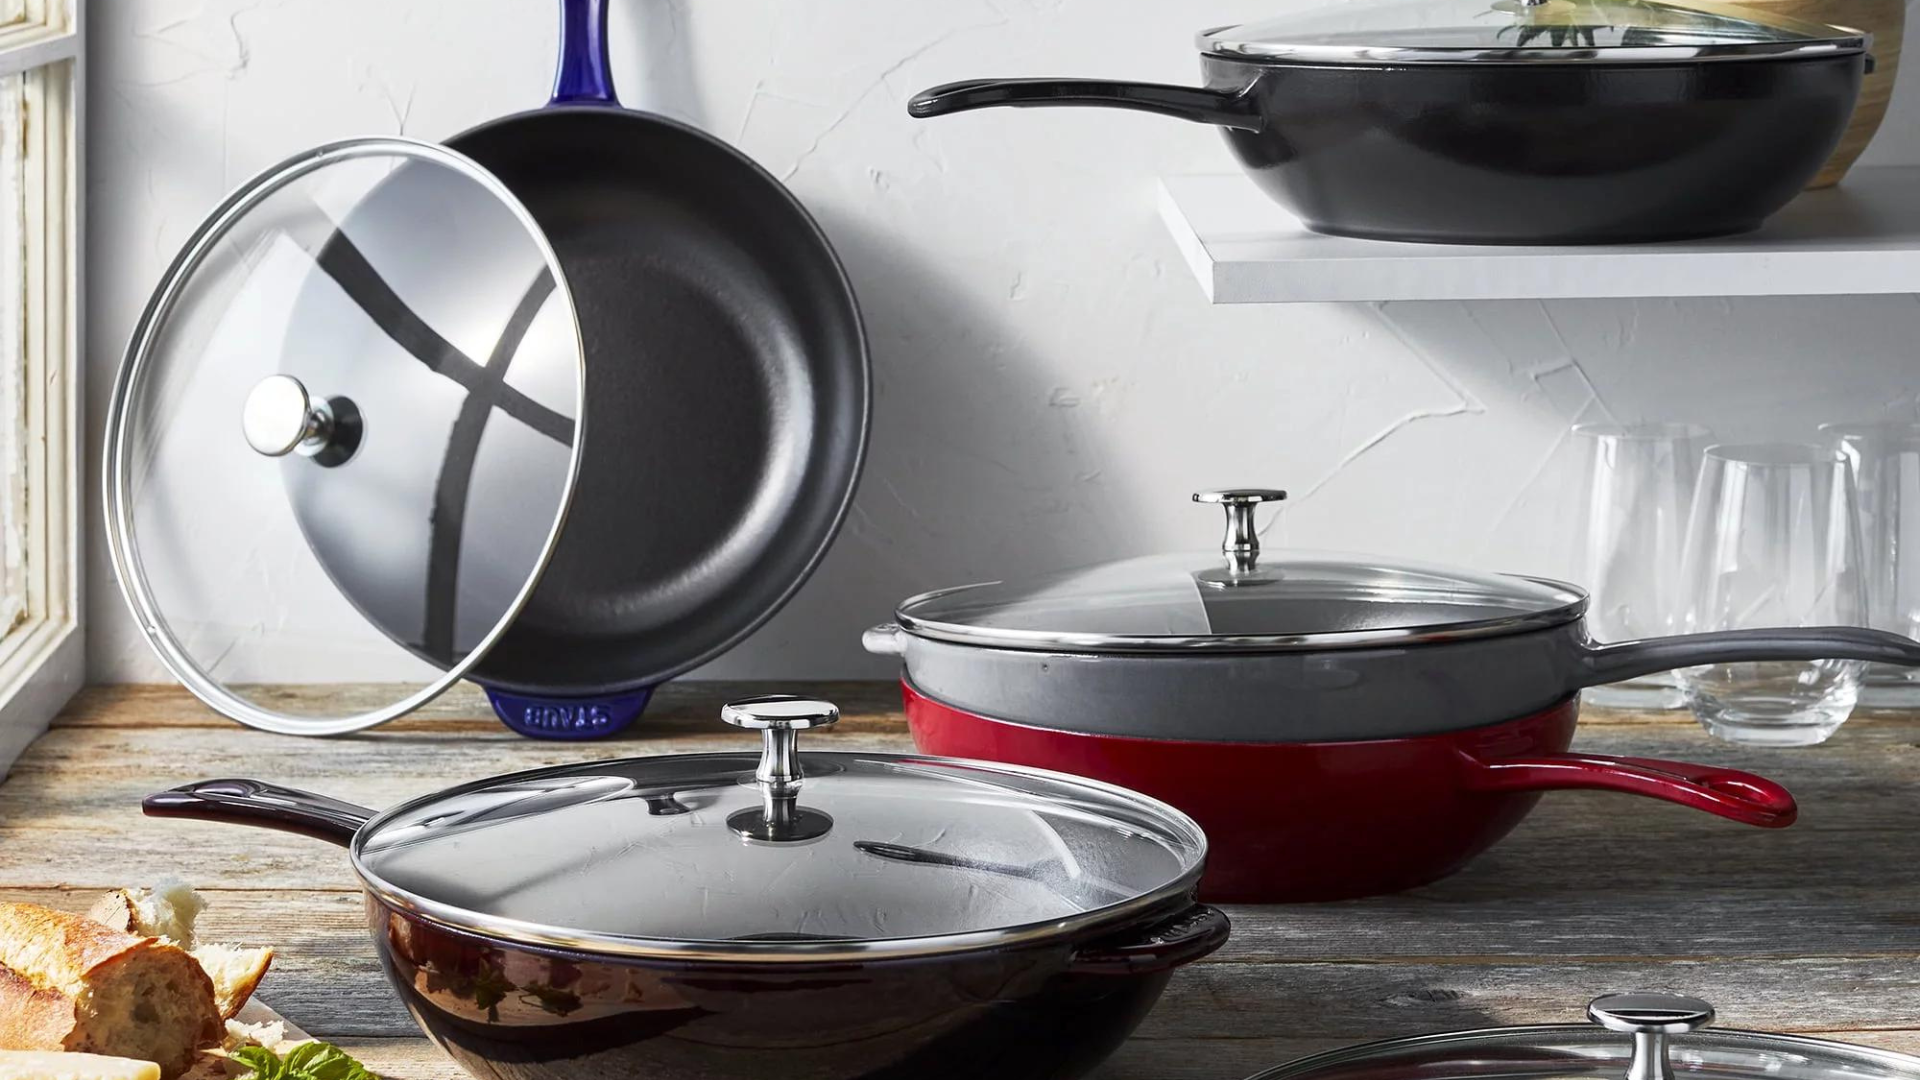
(887,639)
(1631,659)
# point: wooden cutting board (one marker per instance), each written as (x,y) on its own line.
(254,1012)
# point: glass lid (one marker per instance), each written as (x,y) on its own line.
(1512,31)
(344,436)
(1241,600)
(1643,1036)
(779,854)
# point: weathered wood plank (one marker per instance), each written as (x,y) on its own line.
(77,783)
(463,708)
(1141,1059)
(1865,765)
(1424,927)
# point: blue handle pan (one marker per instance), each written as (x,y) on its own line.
(727,398)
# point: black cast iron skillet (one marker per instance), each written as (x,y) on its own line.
(1549,152)
(727,385)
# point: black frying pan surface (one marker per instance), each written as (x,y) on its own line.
(727,392)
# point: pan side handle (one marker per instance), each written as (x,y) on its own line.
(1728,793)
(1164,946)
(1218,107)
(584,77)
(1632,659)
(267,806)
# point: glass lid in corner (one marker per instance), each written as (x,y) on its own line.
(1520,31)
(1240,600)
(779,854)
(344,436)
(1633,1036)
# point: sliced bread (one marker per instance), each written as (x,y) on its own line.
(168,912)
(68,982)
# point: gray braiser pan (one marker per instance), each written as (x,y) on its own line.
(1297,646)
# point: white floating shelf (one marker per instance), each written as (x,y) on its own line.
(1861,237)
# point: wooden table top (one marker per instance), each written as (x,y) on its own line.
(1812,929)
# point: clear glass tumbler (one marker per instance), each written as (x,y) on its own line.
(1885,458)
(1773,540)
(1638,487)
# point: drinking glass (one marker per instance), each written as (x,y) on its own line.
(1638,487)
(1885,459)
(1773,540)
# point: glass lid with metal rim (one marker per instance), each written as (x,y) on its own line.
(1241,600)
(1640,1036)
(1522,31)
(344,436)
(779,854)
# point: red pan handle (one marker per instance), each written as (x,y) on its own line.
(1730,793)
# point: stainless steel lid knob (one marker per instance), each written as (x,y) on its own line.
(280,418)
(1650,1018)
(1242,543)
(780,718)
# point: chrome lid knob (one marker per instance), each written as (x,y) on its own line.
(1242,543)
(780,712)
(280,417)
(1650,1018)
(780,718)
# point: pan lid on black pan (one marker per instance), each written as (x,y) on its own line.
(344,436)
(1527,31)
(1242,599)
(786,854)
(1635,1036)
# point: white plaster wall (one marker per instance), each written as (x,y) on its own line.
(1051,383)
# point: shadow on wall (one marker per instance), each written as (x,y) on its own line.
(952,476)
(1750,368)
(661,78)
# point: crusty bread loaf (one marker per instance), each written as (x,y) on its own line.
(68,982)
(167,912)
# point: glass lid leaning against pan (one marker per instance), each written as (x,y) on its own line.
(780,854)
(344,436)
(1524,31)
(1644,1036)
(1241,599)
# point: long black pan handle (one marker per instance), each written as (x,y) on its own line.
(268,806)
(1219,107)
(1632,659)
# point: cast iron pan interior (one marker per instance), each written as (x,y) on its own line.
(727,390)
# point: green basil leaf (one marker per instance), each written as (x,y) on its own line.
(307,1061)
(264,1062)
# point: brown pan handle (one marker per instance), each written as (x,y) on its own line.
(1182,939)
(1218,107)
(1631,659)
(1730,793)
(268,806)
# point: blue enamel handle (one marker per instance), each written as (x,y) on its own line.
(583,76)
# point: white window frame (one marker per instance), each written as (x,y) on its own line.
(43,657)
